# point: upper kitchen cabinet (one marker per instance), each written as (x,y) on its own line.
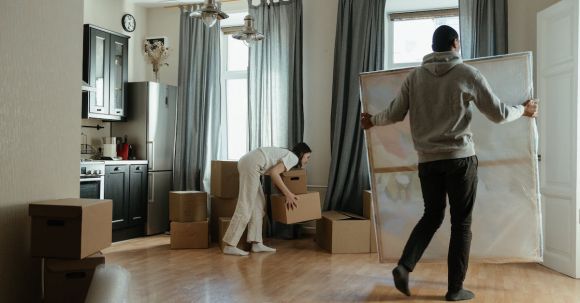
(105,68)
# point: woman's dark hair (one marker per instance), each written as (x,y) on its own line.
(443,38)
(299,150)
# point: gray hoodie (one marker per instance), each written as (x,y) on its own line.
(437,96)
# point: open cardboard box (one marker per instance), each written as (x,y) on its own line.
(342,232)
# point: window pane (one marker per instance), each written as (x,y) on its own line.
(237,55)
(237,94)
(412,38)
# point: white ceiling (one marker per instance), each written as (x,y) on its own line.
(162,3)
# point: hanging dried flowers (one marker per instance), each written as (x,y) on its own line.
(157,53)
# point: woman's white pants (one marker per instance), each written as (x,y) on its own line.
(251,201)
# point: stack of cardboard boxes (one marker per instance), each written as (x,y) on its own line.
(69,234)
(308,203)
(225,183)
(189,220)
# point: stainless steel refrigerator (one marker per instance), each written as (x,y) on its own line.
(150,127)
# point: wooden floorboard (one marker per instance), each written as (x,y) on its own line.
(301,272)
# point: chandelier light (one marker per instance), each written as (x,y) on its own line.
(209,12)
(248,33)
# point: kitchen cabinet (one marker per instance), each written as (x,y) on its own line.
(138,194)
(105,68)
(126,185)
(117,189)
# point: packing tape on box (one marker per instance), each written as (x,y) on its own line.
(110,285)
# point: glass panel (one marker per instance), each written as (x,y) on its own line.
(412,38)
(100,71)
(237,103)
(117,73)
(237,55)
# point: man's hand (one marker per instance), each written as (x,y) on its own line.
(291,201)
(531,108)
(365,121)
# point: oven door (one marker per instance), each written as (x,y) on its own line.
(92,188)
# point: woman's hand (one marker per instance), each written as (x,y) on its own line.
(291,200)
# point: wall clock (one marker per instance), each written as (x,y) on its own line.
(128,22)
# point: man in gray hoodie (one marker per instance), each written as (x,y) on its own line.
(437,95)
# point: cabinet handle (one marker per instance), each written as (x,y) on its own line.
(136,218)
(118,112)
(166,100)
(99,109)
(116,168)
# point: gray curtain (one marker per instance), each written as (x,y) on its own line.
(359,47)
(483,27)
(199,106)
(276,116)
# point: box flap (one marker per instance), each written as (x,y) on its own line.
(334,215)
(294,172)
(352,216)
(181,192)
(341,215)
(63,265)
(63,208)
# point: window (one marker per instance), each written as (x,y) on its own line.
(410,34)
(235,91)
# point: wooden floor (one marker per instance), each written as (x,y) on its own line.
(301,272)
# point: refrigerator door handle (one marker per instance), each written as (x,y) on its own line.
(151,189)
(150,154)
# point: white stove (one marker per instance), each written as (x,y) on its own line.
(92,179)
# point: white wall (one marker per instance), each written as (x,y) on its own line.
(522,18)
(41,59)
(165,22)
(319,30)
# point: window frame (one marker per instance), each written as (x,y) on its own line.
(391,17)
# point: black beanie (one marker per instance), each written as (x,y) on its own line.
(443,38)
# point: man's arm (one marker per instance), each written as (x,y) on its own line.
(395,112)
(495,110)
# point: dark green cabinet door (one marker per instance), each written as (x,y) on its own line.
(138,194)
(117,189)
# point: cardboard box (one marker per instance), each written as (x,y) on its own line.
(295,180)
(70,228)
(187,206)
(220,207)
(189,234)
(341,232)
(225,179)
(224,223)
(370,214)
(69,280)
(308,208)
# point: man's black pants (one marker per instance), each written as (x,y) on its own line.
(457,179)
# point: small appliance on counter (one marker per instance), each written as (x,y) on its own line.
(123,149)
(110,148)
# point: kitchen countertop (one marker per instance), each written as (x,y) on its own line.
(124,162)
